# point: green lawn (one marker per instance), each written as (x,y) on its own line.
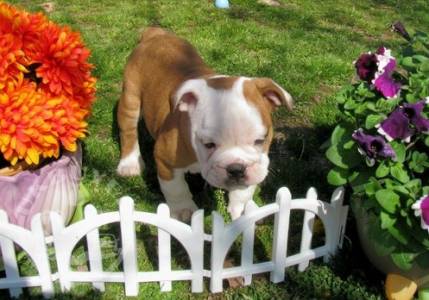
(306,46)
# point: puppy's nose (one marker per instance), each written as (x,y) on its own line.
(236,170)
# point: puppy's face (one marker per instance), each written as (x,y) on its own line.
(231,126)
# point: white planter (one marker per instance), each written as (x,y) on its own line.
(52,187)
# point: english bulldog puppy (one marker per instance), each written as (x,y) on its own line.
(202,122)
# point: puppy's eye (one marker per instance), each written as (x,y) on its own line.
(210,145)
(259,142)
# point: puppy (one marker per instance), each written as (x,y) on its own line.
(217,125)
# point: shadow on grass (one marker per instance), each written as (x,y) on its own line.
(298,162)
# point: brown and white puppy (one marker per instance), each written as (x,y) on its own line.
(217,125)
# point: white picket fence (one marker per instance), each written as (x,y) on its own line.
(192,237)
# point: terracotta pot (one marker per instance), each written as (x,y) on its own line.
(52,187)
(384,263)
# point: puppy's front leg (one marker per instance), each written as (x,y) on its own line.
(178,196)
(238,199)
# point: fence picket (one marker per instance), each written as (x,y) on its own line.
(190,236)
(94,248)
(307,228)
(40,257)
(164,249)
(337,224)
(248,243)
(129,245)
(62,257)
(217,257)
(9,258)
(197,256)
(281,233)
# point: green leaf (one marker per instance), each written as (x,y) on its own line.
(388,200)
(337,134)
(337,176)
(358,184)
(335,157)
(423,260)
(350,104)
(349,145)
(84,198)
(384,243)
(372,120)
(352,176)
(401,234)
(387,220)
(424,67)
(408,62)
(401,190)
(398,172)
(427,141)
(403,260)
(372,187)
(414,186)
(382,170)
(400,151)
(420,58)
(419,161)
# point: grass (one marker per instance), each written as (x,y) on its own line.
(306,46)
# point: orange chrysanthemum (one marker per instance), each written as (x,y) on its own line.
(12,61)
(46,87)
(64,64)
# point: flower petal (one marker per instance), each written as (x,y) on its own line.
(396,126)
(424,206)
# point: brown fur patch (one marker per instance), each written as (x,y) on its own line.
(221,83)
(255,97)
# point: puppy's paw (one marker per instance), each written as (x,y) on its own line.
(235,211)
(130,166)
(184,214)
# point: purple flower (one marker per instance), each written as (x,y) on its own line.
(404,122)
(421,208)
(372,146)
(384,82)
(366,66)
(376,69)
(400,28)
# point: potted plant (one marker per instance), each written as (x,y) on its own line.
(380,149)
(46,92)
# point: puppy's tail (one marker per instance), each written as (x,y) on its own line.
(151,32)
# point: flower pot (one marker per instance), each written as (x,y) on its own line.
(52,187)
(384,263)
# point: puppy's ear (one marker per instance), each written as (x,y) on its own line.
(188,95)
(273,92)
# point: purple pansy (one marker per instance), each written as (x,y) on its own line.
(421,208)
(366,66)
(400,28)
(372,146)
(404,121)
(377,68)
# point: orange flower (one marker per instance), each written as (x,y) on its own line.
(12,60)
(25,129)
(64,67)
(46,87)
(24,27)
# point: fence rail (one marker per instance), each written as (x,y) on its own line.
(192,237)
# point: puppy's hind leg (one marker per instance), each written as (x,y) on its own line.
(129,106)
